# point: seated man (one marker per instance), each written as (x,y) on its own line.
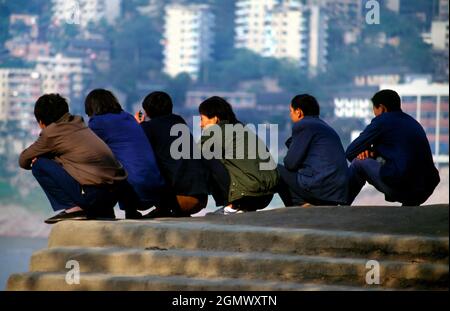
(76,169)
(187,191)
(393,154)
(315,170)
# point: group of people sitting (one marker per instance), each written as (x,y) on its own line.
(85,170)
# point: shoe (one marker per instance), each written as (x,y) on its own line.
(227,211)
(81,215)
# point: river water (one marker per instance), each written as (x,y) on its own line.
(15,254)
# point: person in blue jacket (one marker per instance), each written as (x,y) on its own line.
(393,154)
(127,140)
(315,170)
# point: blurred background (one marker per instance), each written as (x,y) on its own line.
(257,54)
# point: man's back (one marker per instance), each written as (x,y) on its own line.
(402,143)
(317,154)
(187,176)
(82,154)
(127,140)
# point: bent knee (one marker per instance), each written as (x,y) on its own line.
(41,165)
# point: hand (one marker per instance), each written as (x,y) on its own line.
(32,162)
(366,154)
(139,116)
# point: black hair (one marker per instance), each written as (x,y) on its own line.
(307,103)
(50,108)
(218,107)
(389,98)
(100,102)
(157,104)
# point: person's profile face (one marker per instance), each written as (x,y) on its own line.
(378,111)
(295,114)
(206,122)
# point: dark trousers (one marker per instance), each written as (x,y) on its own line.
(292,194)
(219,183)
(362,171)
(64,192)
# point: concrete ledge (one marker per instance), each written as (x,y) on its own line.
(429,220)
(101,282)
(220,264)
(323,248)
(207,236)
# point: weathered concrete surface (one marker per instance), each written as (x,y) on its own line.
(287,249)
(258,266)
(207,236)
(103,282)
(424,220)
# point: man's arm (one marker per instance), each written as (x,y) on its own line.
(363,143)
(40,147)
(298,149)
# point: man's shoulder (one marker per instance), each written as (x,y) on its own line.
(73,123)
(311,124)
(393,118)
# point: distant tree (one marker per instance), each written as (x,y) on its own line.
(177,88)
(136,51)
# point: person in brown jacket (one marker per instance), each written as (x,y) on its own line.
(76,169)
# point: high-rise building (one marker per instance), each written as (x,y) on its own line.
(283,29)
(19,90)
(62,74)
(252,21)
(347,15)
(21,87)
(438,35)
(83,12)
(188,38)
(318,36)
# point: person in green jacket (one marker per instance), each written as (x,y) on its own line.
(243,175)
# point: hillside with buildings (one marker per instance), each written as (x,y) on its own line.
(255,53)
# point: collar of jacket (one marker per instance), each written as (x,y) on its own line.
(64,118)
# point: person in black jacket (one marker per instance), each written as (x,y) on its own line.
(315,170)
(187,191)
(393,154)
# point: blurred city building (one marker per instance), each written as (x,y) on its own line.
(239,100)
(24,33)
(283,29)
(84,12)
(188,38)
(19,90)
(347,15)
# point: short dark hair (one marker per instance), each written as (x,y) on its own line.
(389,98)
(50,108)
(100,101)
(157,104)
(218,107)
(307,103)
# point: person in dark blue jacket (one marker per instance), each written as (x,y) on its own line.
(127,140)
(393,154)
(315,170)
